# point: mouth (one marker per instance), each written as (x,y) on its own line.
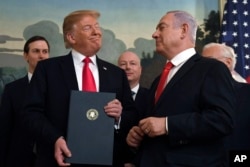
(128,74)
(157,41)
(95,39)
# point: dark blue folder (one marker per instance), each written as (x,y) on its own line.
(90,132)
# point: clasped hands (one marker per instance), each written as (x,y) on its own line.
(112,109)
(151,126)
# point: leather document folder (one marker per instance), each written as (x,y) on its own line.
(90,132)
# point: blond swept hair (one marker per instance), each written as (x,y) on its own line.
(71,19)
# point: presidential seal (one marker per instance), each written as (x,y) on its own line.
(92,114)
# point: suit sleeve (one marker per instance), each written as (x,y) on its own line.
(34,110)
(5,123)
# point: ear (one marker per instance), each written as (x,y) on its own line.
(70,37)
(184,30)
(25,56)
(228,62)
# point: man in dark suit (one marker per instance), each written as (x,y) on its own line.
(16,144)
(46,113)
(239,139)
(131,64)
(226,55)
(187,124)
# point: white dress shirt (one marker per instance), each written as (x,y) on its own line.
(78,64)
(135,90)
(29,76)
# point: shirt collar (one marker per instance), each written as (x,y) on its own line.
(183,56)
(29,76)
(136,88)
(78,57)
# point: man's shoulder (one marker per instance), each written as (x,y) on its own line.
(207,63)
(204,60)
(143,90)
(53,61)
(57,58)
(106,64)
(18,81)
(16,86)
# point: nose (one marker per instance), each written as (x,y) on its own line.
(128,66)
(155,35)
(43,55)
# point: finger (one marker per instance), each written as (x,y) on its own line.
(60,159)
(116,101)
(132,142)
(135,136)
(143,123)
(139,132)
(66,151)
(61,150)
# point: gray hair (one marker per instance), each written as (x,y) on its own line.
(227,51)
(182,17)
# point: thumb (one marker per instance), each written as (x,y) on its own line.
(66,150)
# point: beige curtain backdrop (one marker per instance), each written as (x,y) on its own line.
(221,5)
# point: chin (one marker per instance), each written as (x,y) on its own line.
(159,51)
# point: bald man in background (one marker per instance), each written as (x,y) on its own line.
(226,55)
(239,139)
(131,64)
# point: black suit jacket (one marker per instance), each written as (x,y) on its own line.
(16,145)
(46,113)
(141,100)
(239,139)
(199,103)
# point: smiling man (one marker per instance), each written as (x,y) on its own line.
(131,64)
(46,114)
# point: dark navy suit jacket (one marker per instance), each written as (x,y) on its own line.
(141,101)
(239,139)
(199,102)
(46,113)
(16,144)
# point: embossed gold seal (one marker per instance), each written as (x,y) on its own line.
(92,114)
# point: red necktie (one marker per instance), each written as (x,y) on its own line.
(163,80)
(88,82)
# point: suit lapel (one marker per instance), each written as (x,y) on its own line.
(103,74)
(179,74)
(68,69)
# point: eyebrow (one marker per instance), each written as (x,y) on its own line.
(161,24)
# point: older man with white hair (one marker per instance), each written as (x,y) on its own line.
(224,54)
